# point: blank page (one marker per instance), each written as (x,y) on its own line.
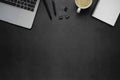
(107,11)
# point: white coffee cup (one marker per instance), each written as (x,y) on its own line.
(83,4)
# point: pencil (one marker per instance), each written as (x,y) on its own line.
(54,7)
(47,9)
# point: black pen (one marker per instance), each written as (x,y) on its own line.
(47,9)
(54,7)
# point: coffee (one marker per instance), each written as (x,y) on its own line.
(83,3)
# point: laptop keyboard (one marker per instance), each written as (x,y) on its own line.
(24,4)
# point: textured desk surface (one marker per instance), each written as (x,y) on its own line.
(80,48)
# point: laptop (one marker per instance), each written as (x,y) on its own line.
(19,12)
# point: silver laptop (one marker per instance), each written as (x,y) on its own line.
(19,12)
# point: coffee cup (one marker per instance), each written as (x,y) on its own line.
(83,4)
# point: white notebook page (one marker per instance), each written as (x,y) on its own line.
(107,11)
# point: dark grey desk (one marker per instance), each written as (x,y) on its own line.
(80,48)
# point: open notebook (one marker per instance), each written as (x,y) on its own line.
(107,11)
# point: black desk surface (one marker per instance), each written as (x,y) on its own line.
(80,48)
